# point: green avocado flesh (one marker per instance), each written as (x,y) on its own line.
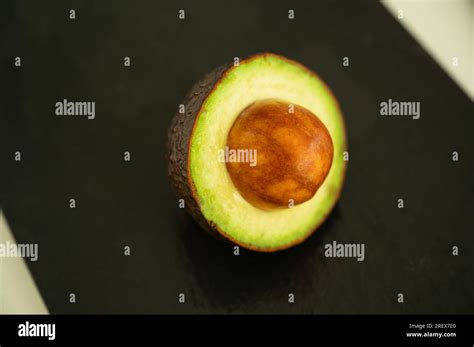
(265,76)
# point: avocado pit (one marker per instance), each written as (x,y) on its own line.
(294,154)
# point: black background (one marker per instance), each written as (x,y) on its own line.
(131,203)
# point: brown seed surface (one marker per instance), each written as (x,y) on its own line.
(294,153)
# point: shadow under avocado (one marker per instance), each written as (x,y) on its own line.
(224,282)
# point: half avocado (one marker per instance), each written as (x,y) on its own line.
(257,152)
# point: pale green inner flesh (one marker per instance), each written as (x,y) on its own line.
(267,76)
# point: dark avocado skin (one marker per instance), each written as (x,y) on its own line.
(179,136)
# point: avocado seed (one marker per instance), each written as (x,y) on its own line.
(293,154)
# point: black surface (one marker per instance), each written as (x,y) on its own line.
(118,203)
